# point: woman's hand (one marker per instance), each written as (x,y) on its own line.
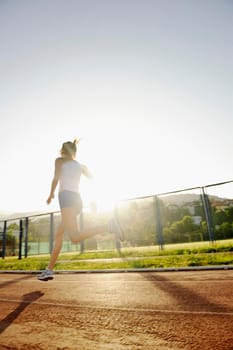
(49,200)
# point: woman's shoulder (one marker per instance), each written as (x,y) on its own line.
(59,160)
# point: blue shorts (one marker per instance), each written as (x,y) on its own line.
(69,199)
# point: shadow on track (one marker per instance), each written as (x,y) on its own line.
(15,280)
(187,299)
(27,300)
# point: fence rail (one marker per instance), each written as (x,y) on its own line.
(34,234)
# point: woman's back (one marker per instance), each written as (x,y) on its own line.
(71,171)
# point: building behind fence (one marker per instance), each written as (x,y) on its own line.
(187,215)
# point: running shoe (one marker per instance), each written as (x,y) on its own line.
(46,275)
(114,227)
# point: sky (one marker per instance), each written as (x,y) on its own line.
(146,85)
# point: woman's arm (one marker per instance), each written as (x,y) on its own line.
(57,171)
(86,171)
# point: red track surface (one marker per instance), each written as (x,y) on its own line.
(118,311)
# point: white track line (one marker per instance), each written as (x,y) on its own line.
(211,313)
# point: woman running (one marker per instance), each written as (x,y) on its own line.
(67,174)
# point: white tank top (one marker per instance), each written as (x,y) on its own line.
(70,175)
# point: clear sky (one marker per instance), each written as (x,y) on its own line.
(146,84)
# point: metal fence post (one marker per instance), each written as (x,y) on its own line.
(26,238)
(20,238)
(81,223)
(4,239)
(118,242)
(159,227)
(51,233)
(208,215)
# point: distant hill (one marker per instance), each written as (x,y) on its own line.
(181,199)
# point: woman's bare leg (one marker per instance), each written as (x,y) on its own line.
(71,226)
(57,246)
(88,232)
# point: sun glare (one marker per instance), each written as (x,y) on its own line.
(96,194)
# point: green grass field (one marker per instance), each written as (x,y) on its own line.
(177,255)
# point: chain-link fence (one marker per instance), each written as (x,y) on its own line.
(196,214)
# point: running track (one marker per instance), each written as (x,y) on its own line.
(118,311)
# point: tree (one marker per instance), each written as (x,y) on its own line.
(188,224)
(225,230)
(220,216)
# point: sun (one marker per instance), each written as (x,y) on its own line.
(96,195)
